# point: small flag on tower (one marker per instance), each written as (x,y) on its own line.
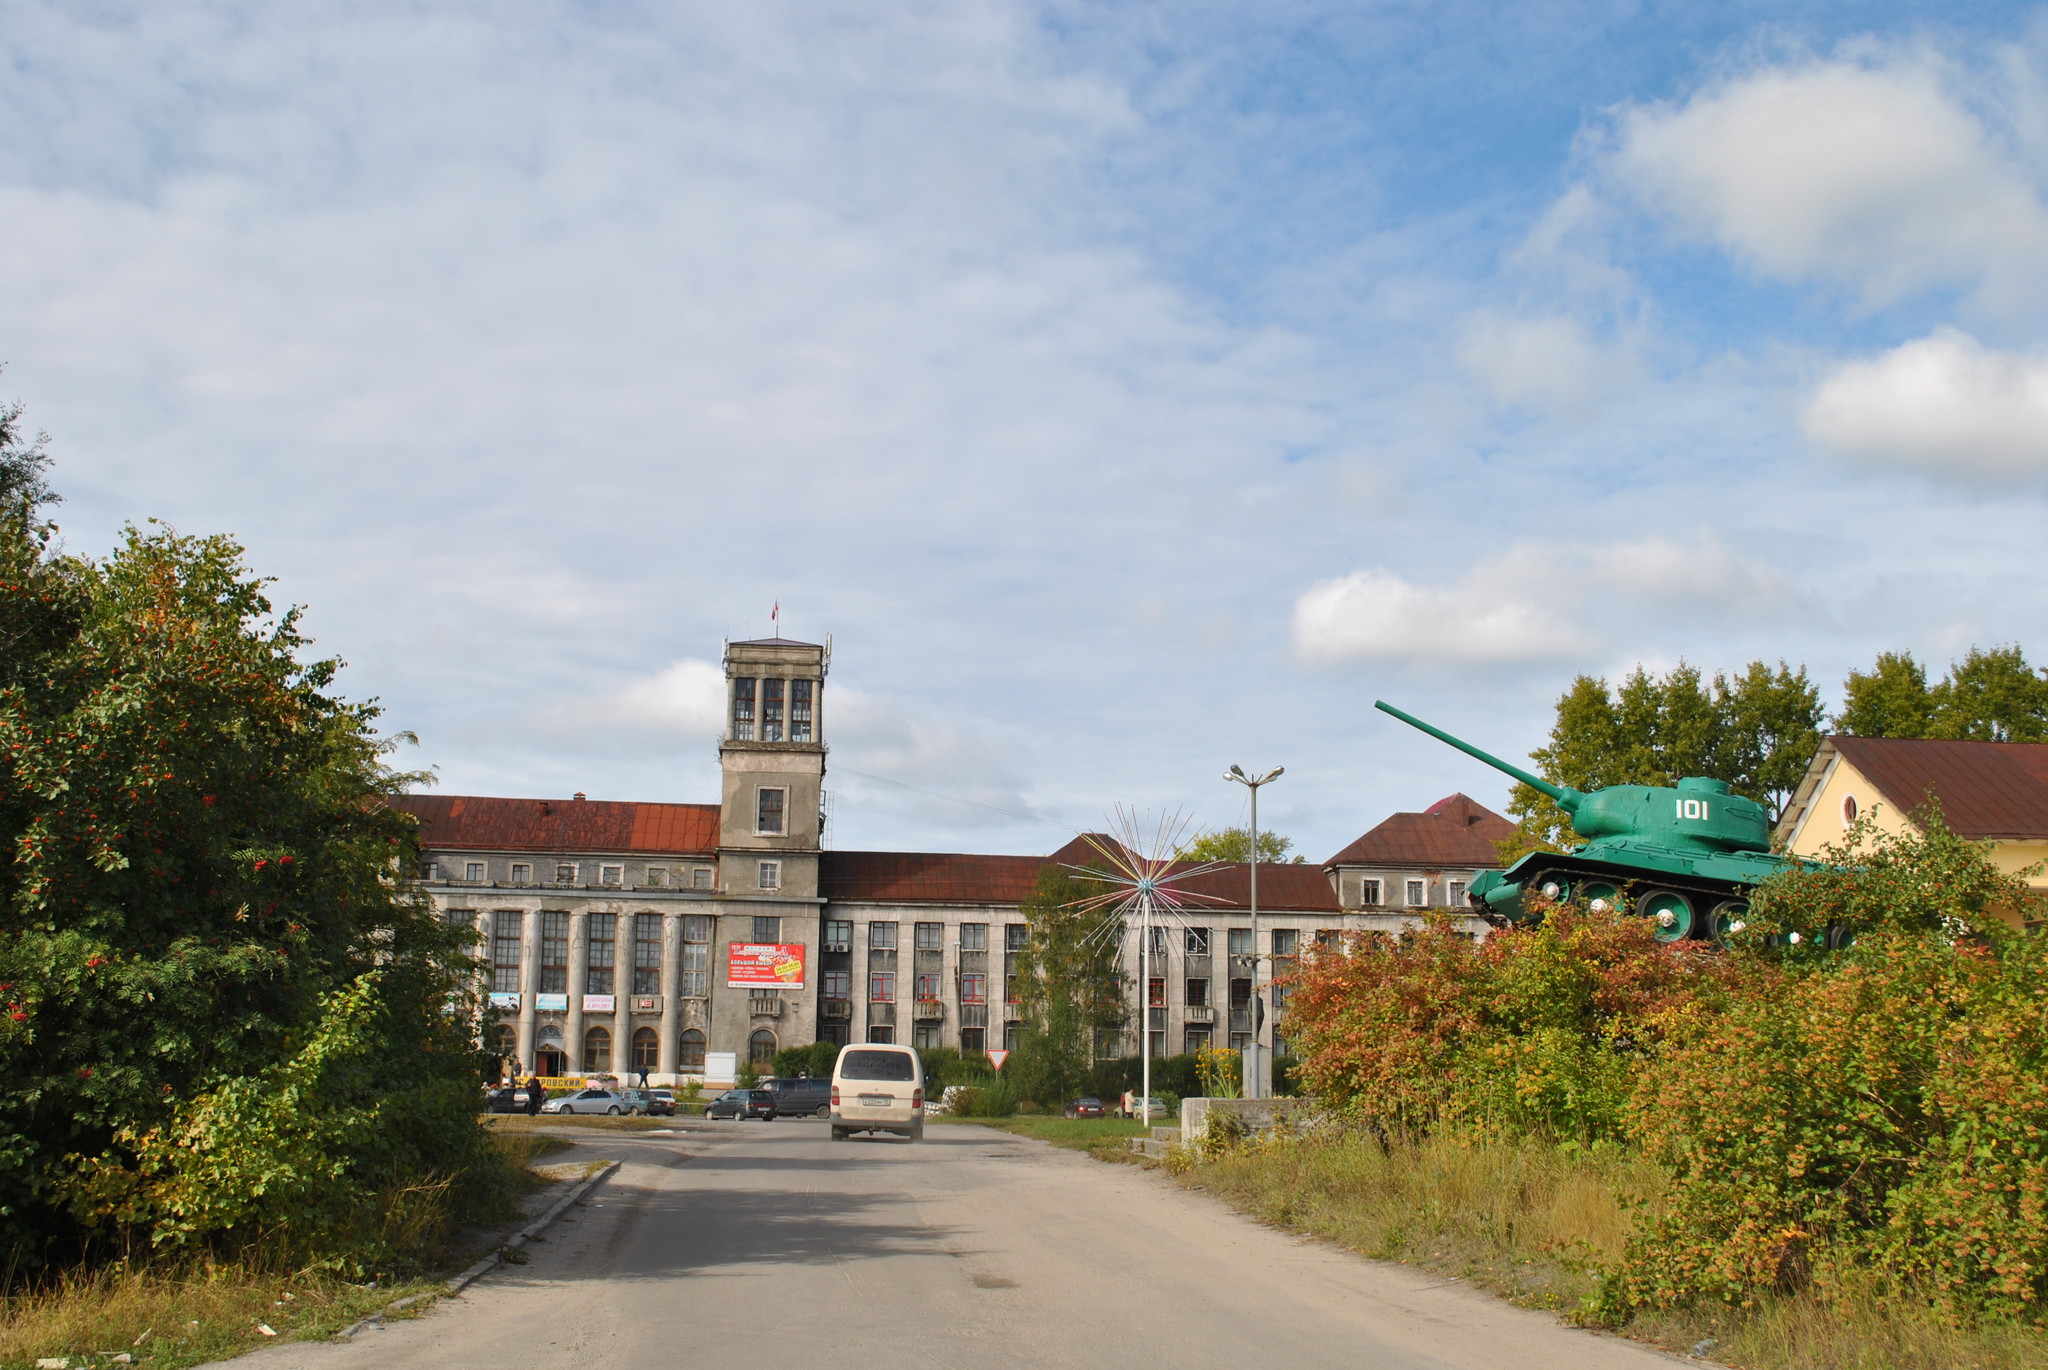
(775,617)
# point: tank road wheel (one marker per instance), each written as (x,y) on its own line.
(1840,938)
(1554,886)
(1602,896)
(1727,919)
(1670,914)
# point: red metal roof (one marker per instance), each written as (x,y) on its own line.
(474,823)
(1456,831)
(1987,789)
(927,877)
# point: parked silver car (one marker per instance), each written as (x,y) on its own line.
(610,1101)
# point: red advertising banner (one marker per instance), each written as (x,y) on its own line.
(764,965)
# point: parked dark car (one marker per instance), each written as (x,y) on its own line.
(505,1099)
(743,1104)
(801,1096)
(1089,1107)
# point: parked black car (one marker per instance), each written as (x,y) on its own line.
(743,1104)
(505,1099)
(801,1096)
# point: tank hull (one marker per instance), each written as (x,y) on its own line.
(1692,896)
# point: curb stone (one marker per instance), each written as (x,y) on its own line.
(455,1284)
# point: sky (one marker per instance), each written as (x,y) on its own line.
(1128,390)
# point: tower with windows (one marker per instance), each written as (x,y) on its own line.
(771,821)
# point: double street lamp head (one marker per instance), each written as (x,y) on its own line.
(1237,773)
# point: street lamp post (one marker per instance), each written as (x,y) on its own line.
(1257,1065)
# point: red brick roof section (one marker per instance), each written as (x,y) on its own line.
(1283,888)
(472,823)
(927,877)
(1987,789)
(1454,832)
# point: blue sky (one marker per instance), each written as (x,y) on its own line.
(1130,390)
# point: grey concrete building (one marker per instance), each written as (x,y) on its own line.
(675,937)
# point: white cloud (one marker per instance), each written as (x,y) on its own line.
(1549,363)
(1532,603)
(688,698)
(1874,175)
(1944,403)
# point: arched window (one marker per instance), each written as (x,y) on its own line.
(507,1039)
(692,1055)
(646,1050)
(597,1051)
(761,1048)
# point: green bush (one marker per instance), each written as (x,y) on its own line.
(815,1059)
(994,1099)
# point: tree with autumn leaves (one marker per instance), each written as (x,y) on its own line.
(227,1020)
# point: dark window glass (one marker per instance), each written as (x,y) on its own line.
(974,937)
(800,710)
(1155,993)
(646,956)
(1240,941)
(877,1065)
(771,711)
(1016,936)
(1198,941)
(505,950)
(767,929)
(761,1049)
(768,814)
(1198,992)
(974,989)
(927,988)
(646,1050)
(603,932)
(838,932)
(597,1050)
(931,936)
(1240,995)
(973,1039)
(696,955)
(743,709)
(882,987)
(1283,941)
(838,984)
(882,936)
(691,1057)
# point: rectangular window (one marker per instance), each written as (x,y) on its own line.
(1454,894)
(882,987)
(611,875)
(696,956)
(1240,995)
(1369,893)
(657,876)
(800,710)
(1155,993)
(974,937)
(1016,936)
(743,709)
(430,870)
(1240,941)
(646,953)
(881,1032)
(1418,894)
(601,932)
(554,953)
(473,871)
(522,873)
(769,805)
(1284,941)
(927,988)
(771,711)
(770,875)
(1013,990)
(930,936)
(700,878)
(1198,941)
(974,989)
(1198,992)
(928,1035)
(881,936)
(1159,942)
(1158,1042)
(565,872)
(1010,1034)
(838,984)
(973,1040)
(505,950)
(767,929)
(838,934)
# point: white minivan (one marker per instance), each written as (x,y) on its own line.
(877,1087)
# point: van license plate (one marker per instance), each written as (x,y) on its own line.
(877,1100)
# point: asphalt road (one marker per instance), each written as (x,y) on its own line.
(761,1243)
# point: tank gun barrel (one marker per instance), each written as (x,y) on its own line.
(1567,798)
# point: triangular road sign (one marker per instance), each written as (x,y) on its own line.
(999,1055)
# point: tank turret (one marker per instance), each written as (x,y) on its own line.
(1684,855)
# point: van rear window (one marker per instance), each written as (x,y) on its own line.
(876,1065)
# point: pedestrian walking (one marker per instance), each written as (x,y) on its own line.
(643,1075)
(534,1094)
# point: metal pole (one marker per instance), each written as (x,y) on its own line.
(1257,1086)
(1145,1011)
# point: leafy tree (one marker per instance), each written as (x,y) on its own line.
(1235,844)
(1757,732)
(1993,696)
(224,1018)
(1071,986)
(22,464)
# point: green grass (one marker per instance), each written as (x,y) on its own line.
(1100,1137)
(1535,1224)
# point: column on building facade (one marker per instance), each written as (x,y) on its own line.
(671,991)
(529,986)
(579,965)
(622,995)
